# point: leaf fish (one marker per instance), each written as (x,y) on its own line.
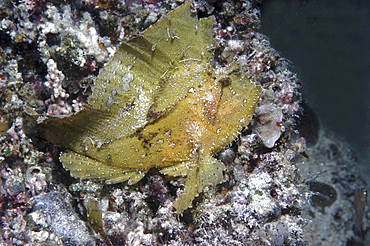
(158,104)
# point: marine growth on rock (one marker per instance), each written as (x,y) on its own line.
(159,103)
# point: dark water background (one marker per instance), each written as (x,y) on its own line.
(328,43)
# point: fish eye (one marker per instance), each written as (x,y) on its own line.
(225,81)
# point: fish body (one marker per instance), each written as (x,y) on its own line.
(158,104)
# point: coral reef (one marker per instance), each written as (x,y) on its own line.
(287,181)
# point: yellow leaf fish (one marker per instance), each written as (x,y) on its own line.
(158,104)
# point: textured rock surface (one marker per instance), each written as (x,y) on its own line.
(53,213)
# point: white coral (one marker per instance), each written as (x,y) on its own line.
(84,32)
(57,104)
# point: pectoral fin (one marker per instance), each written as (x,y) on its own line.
(209,171)
(85,167)
(176,170)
